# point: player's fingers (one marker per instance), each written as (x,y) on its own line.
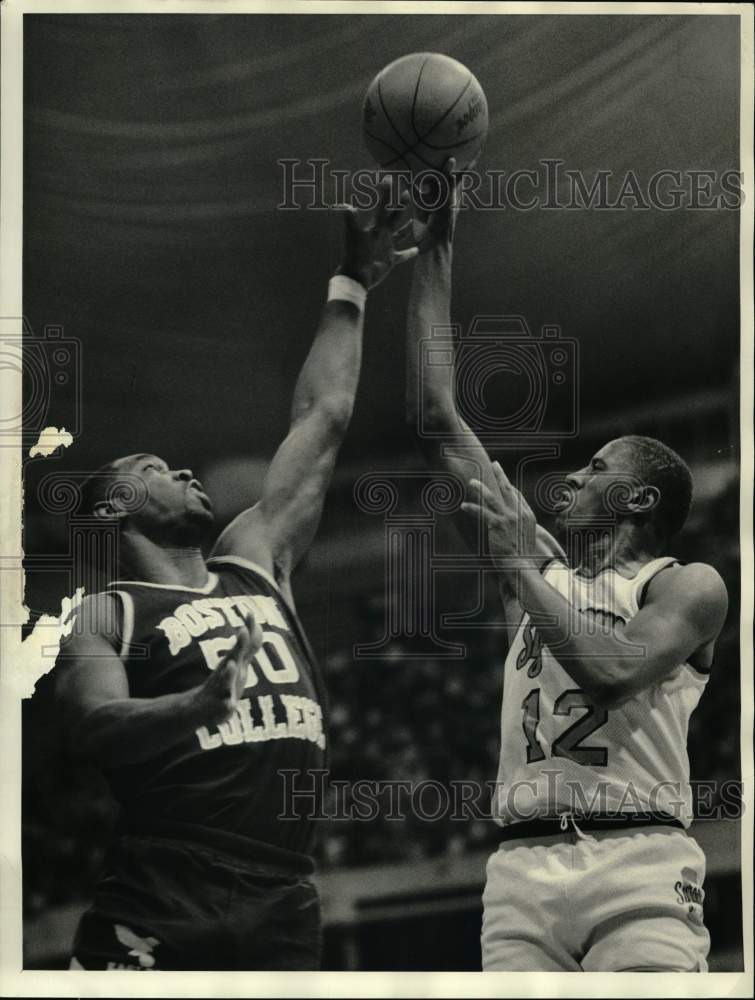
(256,639)
(502,479)
(237,646)
(523,502)
(400,230)
(225,673)
(240,663)
(396,209)
(400,256)
(476,510)
(386,208)
(348,214)
(483,493)
(449,169)
(250,624)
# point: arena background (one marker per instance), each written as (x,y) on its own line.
(152,237)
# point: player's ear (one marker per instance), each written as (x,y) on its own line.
(108,510)
(646,499)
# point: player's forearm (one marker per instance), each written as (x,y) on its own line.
(133,730)
(329,378)
(429,387)
(608,669)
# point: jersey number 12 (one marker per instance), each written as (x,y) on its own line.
(569,743)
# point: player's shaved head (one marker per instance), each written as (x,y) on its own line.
(100,487)
(660,466)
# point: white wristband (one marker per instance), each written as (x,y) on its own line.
(347,290)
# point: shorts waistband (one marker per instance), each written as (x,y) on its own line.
(567,822)
(246,850)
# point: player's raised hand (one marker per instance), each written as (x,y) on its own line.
(436,227)
(370,251)
(223,689)
(509,519)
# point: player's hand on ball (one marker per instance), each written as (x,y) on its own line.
(370,252)
(510,522)
(436,226)
(223,689)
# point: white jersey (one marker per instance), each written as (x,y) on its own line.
(560,753)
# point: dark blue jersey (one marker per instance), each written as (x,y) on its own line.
(223,777)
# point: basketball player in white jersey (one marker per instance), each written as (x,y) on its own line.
(610,655)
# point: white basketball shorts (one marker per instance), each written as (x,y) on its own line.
(609,900)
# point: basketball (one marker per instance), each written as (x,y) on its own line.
(421,109)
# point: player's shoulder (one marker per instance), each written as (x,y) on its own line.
(97,608)
(697,585)
(96,617)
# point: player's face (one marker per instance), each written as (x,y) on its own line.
(176,507)
(591,487)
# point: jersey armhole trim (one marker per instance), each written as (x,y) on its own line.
(246,564)
(546,564)
(127,621)
(525,616)
(640,588)
(698,670)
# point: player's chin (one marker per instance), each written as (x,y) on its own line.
(200,515)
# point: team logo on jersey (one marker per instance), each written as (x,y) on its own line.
(531,652)
(140,948)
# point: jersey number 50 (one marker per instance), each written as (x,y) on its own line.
(569,743)
(274,659)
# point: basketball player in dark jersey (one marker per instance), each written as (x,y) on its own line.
(191,683)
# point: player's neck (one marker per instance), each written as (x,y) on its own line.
(143,559)
(626,549)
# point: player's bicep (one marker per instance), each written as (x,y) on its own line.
(685,610)
(89,672)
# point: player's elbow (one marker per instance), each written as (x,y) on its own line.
(334,411)
(84,745)
(90,736)
(86,749)
(610,691)
(430,415)
(609,697)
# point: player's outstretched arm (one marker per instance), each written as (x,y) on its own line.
(681,617)
(445,439)
(278,530)
(105,725)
